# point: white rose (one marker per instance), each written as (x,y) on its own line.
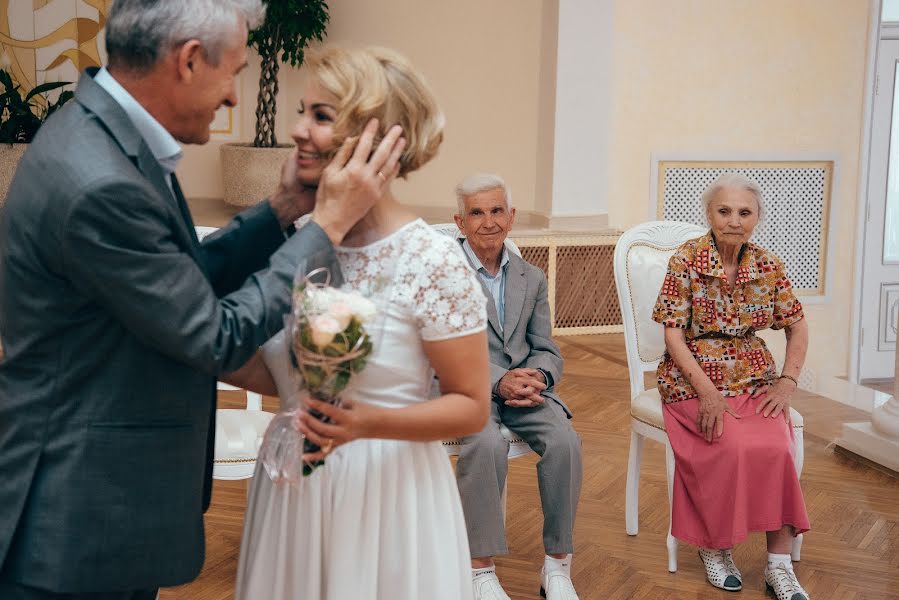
(320,299)
(363,308)
(342,313)
(324,328)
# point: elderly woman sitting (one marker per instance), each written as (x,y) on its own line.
(727,411)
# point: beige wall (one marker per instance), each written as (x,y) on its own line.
(698,77)
(769,77)
(481,58)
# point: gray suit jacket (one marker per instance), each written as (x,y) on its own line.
(525,339)
(115,323)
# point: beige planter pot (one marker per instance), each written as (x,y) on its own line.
(9,162)
(251,174)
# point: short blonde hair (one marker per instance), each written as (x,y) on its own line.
(380,83)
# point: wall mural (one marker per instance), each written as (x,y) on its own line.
(51,40)
(54,40)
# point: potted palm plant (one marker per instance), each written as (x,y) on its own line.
(250,170)
(21,115)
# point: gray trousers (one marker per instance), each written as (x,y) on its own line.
(15,591)
(483,465)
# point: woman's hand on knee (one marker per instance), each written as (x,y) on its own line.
(712,408)
(777,399)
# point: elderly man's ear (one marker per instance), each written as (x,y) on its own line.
(186,57)
(459,223)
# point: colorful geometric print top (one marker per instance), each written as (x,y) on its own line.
(720,323)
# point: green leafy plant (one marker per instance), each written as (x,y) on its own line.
(289,26)
(22,114)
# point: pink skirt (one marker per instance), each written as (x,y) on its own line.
(744,481)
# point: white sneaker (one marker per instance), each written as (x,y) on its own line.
(781,582)
(486,587)
(556,585)
(720,569)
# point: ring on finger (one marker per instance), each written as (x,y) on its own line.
(383,178)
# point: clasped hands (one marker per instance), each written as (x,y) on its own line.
(713,405)
(520,388)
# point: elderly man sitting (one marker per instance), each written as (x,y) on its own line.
(525,365)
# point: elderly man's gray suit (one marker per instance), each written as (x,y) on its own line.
(524,341)
(115,323)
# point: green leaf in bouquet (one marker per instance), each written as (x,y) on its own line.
(354,329)
(335,349)
(314,376)
(341,380)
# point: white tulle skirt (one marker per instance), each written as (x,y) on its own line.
(380,520)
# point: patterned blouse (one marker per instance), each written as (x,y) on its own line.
(720,323)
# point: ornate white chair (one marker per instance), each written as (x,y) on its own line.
(238,432)
(517,446)
(640,262)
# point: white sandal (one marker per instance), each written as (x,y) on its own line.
(720,569)
(781,582)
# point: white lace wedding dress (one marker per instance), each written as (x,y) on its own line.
(382,518)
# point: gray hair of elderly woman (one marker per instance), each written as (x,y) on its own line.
(482,182)
(732,180)
(140,32)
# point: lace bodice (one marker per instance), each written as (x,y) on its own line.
(425,290)
(426,273)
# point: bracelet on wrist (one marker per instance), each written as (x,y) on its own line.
(790,377)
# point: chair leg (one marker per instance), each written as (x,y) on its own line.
(671,542)
(504,496)
(796,551)
(798,450)
(254,401)
(632,491)
(799,459)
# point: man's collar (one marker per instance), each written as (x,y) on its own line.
(165,148)
(476,262)
(708,261)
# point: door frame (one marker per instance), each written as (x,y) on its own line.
(875,32)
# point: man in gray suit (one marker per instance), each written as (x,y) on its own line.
(116,321)
(525,367)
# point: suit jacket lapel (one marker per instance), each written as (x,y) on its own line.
(185,211)
(95,99)
(516,289)
(492,317)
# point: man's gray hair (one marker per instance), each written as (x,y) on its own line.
(732,180)
(481,182)
(140,32)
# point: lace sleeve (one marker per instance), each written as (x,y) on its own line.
(449,302)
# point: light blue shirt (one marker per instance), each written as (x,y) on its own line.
(496,284)
(165,148)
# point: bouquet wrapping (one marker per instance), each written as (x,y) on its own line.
(327,344)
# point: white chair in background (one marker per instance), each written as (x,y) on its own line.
(640,263)
(238,432)
(238,435)
(517,446)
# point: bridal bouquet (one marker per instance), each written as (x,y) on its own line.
(327,344)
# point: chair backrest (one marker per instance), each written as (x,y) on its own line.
(451,230)
(641,261)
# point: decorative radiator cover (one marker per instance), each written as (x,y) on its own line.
(797,202)
(582,294)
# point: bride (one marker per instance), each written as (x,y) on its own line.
(382,517)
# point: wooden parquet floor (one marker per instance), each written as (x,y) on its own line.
(852,552)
